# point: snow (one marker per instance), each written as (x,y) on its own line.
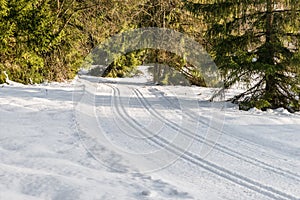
(97,138)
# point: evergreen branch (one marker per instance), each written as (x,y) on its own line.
(247,92)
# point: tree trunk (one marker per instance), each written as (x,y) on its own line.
(107,70)
(270,77)
(269,21)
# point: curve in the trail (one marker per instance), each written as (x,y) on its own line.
(192,158)
(217,146)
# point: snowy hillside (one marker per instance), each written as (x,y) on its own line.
(100,138)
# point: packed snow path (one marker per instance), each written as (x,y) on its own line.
(129,122)
(123,139)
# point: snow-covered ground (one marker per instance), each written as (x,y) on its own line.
(100,138)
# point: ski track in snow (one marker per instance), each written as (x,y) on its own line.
(217,146)
(244,181)
(191,114)
(96,138)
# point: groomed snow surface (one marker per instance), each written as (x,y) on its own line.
(128,139)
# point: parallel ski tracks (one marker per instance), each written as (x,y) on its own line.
(218,146)
(192,117)
(193,158)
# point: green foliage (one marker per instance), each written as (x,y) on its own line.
(31,71)
(256,42)
(165,75)
(47,40)
(261,104)
(175,65)
(162,14)
(125,65)
(2,75)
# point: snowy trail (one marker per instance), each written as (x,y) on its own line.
(227,174)
(162,92)
(220,147)
(285,180)
(127,139)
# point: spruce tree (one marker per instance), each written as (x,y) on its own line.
(255,42)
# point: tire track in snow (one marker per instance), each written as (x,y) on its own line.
(192,158)
(218,146)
